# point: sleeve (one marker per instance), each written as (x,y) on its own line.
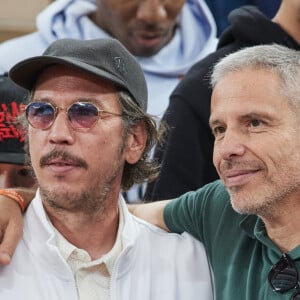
(197,212)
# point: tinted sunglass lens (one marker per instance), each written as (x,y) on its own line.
(285,280)
(296,296)
(283,276)
(40,115)
(83,115)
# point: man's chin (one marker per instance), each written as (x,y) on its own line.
(245,206)
(240,203)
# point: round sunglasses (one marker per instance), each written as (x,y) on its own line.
(82,115)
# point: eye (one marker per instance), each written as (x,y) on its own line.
(218,131)
(256,123)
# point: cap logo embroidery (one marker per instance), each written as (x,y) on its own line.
(8,117)
(119,65)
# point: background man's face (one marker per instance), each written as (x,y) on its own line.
(12,175)
(144,27)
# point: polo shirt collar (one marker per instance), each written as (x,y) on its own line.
(255,228)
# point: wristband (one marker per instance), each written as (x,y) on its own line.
(15,196)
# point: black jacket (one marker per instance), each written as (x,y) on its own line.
(186,157)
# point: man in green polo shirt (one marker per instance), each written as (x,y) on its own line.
(251,228)
(249,220)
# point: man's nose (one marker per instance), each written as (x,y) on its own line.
(232,144)
(61,131)
(151,11)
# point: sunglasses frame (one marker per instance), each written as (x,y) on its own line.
(282,271)
(57,109)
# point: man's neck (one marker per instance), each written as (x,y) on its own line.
(95,234)
(283,228)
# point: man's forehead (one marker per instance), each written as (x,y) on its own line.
(247,85)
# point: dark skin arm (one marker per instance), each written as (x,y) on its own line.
(11,223)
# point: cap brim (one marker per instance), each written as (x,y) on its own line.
(12,158)
(26,72)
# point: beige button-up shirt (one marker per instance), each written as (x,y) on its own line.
(92,277)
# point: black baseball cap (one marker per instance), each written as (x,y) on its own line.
(12,103)
(106,58)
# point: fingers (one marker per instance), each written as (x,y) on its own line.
(11,237)
(11,227)
(4,259)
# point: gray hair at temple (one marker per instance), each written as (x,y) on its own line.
(279,59)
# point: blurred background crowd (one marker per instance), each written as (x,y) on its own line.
(15,22)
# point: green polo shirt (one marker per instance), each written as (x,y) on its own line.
(239,250)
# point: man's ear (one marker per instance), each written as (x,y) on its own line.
(136,142)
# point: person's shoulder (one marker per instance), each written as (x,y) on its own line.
(142,225)
(161,237)
(204,66)
(182,254)
(24,41)
(195,87)
(19,48)
(211,190)
(212,197)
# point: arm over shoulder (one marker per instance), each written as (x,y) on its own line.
(197,212)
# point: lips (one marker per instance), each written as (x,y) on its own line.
(150,39)
(233,178)
(152,35)
(61,160)
(60,166)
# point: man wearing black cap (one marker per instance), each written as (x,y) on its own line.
(13,173)
(89,136)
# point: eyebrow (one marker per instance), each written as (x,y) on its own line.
(213,122)
(251,115)
(257,115)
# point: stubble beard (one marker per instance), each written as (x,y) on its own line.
(91,201)
(266,198)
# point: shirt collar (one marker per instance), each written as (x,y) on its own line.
(70,252)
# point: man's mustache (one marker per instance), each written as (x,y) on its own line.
(236,164)
(63,155)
